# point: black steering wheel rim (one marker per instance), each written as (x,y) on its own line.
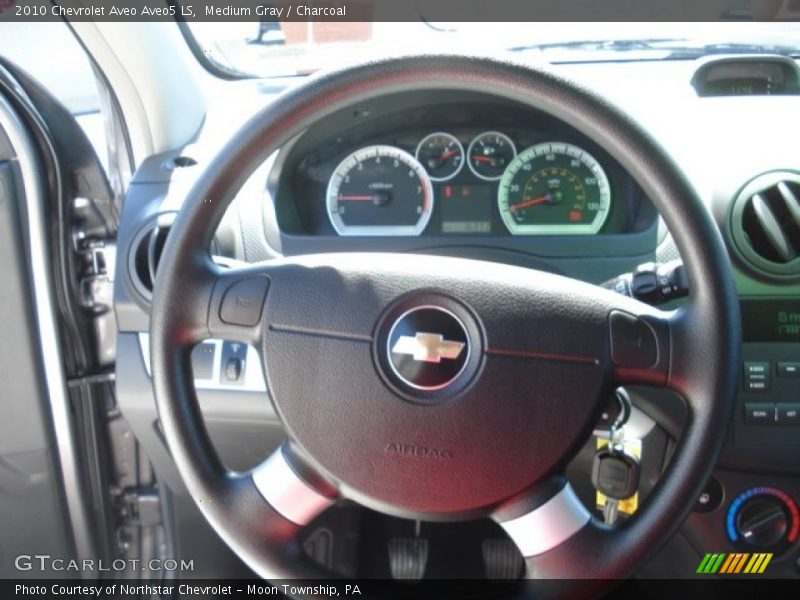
(705,332)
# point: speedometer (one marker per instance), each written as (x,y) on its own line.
(379,190)
(554,188)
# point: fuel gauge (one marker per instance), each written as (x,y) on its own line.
(489,154)
(441,154)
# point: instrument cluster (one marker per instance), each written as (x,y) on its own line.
(551,187)
(445,168)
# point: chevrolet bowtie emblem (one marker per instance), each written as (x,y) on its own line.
(428,347)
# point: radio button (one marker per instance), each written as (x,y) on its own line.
(789,369)
(759,414)
(756,376)
(789,414)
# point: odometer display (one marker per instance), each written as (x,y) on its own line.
(379,190)
(554,188)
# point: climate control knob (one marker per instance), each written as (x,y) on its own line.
(763,518)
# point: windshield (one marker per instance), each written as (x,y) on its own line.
(270,48)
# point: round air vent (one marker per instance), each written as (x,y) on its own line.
(765,224)
(146,251)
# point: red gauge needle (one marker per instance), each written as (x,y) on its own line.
(355,198)
(448,154)
(484,158)
(530,202)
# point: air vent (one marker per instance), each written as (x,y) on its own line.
(146,252)
(766,224)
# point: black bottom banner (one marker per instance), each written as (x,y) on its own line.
(200,589)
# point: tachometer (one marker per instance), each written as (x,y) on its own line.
(379,190)
(554,188)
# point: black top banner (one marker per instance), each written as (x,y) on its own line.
(431,11)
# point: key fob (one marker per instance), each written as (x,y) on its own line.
(615,473)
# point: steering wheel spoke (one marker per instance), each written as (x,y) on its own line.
(291,488)
(562,541)
(543,518)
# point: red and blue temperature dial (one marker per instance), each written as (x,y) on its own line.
(763,518)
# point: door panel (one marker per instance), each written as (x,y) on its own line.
(33,512)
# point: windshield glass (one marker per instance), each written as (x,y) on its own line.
(269,48)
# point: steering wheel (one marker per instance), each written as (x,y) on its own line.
(440,388)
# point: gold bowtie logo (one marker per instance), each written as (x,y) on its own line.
(428,347)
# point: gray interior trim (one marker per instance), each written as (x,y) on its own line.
(252,372)
(44,314)
(550,525)
(286,492)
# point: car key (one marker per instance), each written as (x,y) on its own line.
(615,474)
(615,471)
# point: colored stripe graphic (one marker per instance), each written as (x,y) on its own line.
(716,564)
(755,561)
(735,563)
(740,563)
(710,563)
(704,564)
(728,564)
(763,565)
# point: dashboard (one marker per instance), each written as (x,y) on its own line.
(467,207)
(425,165)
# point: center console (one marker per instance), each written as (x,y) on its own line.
(750,505)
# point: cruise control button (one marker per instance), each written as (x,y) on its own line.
(759,414)
(789,414)
(789,369)
(243,302)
